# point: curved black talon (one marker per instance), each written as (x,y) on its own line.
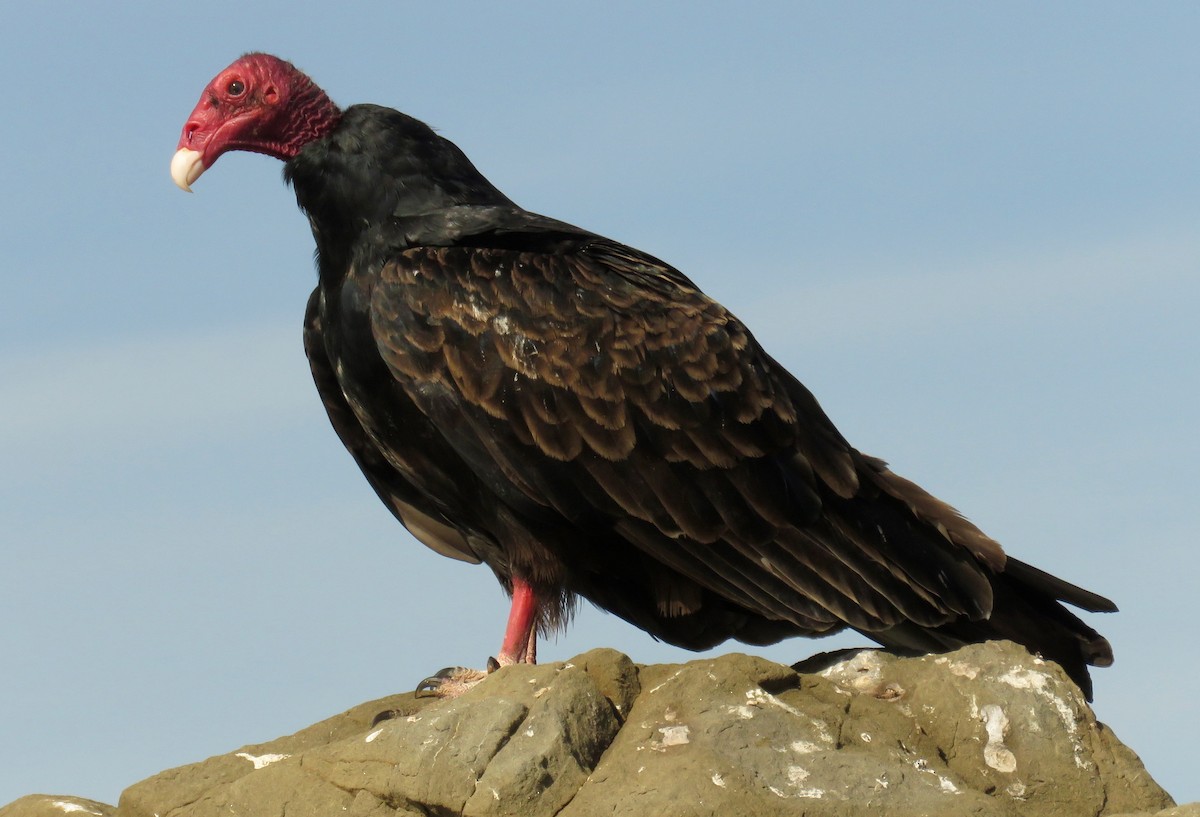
(429,686)
(451,682)
(385,715)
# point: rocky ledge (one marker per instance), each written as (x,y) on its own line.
(987,730)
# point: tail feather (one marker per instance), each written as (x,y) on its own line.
(1040,580)
(1027,609)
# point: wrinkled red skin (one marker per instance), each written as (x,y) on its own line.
(260,104)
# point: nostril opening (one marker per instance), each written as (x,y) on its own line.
(190,129)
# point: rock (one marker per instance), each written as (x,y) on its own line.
(47,805)
(987,730)
(1190,810)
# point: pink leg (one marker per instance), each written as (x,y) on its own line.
(520,636)
(519,647)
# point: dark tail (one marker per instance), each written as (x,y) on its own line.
(1028,609)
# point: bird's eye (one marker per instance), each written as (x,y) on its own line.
(236,87)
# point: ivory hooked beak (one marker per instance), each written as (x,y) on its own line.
(186,166)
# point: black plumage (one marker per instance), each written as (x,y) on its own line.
(580,417)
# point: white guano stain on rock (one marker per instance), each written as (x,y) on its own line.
(63,805)
(743,712)
(861,673)
(1039,683)
(944,783)
(674,735)
(1042,684)
(797,775)
(964,670)
(664,683)
(995,753)
(262,761)
(758,697)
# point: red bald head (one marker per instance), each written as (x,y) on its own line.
(259,103)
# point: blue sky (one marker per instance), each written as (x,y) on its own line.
(970,229)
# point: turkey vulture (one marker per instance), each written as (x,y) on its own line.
(580,417)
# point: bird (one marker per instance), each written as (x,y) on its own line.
(582,418)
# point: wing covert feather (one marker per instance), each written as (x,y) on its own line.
(609,388)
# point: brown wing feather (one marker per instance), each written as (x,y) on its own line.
(605,383)
(426,523)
